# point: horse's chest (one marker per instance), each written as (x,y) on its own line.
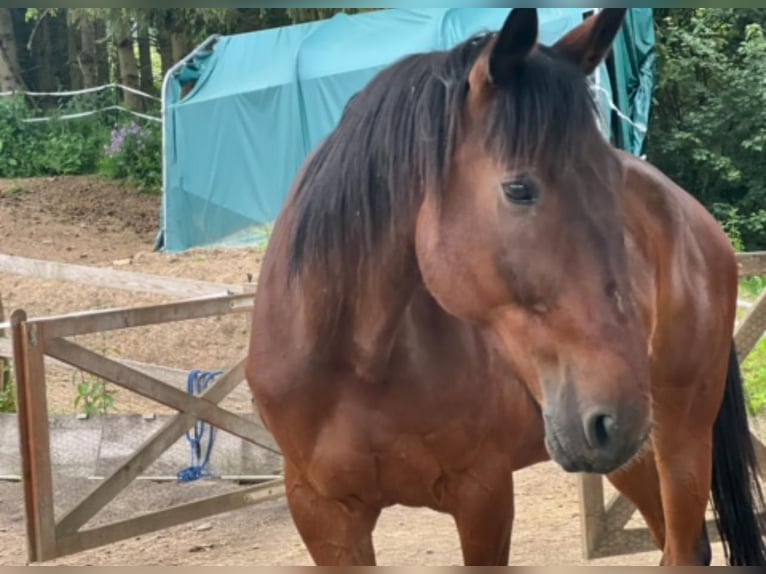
(413,450)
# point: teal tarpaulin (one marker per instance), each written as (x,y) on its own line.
(261,101)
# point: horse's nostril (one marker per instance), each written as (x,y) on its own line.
(599,430)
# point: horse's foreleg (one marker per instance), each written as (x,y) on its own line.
(682,439)
(682,543)
(684,464)
(335,532)
(640,483)
(484,518)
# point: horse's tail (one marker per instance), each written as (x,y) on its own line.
(737,496)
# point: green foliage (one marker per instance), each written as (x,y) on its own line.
(58,147)
(135,154)
(731,222)
(708,130)
(87,145)
(7,392)
(754,373)
(102,143)
(93,394)
(751,287)
(754,367)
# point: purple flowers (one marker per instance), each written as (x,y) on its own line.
(134,152)
(131,131)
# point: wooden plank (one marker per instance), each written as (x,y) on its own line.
(760,455)
(180,514)
(111,278)
(752,263)
(242,302)
(125,318)
(591,494)
(167,374)
(154,389)
(17,319)
(147,454)
(618,513)
(35,439)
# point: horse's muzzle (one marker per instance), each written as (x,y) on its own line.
(599,439)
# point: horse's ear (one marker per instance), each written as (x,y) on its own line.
(588,44)
(513,44)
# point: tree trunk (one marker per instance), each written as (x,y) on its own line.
(146,79)
(88,64)
(165,49)
(9,60)
(22,29)
(102,53)
(179,45)
(59,42)
(128,64)
(42,56)
(74,47)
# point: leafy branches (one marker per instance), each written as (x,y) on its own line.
(709,130)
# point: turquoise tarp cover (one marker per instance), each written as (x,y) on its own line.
(261,101)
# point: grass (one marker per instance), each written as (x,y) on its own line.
(14,189)
(754,372)
(754,367)
(7,393)
(750,288)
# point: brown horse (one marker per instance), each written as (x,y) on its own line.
(467,279)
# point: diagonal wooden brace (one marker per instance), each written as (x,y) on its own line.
(155,389)
(173,430)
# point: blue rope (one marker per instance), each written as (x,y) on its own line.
(196,383)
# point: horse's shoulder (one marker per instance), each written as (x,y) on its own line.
(676,234)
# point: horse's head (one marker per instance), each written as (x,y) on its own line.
(525,236)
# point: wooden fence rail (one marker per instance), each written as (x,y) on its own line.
(112,278)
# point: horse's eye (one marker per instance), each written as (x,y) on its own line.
(521,192)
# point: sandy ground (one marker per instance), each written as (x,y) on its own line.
(546,530)
(86,221)
(92,222)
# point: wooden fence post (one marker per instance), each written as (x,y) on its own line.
(592,512)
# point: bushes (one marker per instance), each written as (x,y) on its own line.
(44,148)
(107,143)
(134,153)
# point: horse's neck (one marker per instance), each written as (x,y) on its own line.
(374,314)
(355,323)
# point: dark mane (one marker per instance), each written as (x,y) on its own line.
(396,138)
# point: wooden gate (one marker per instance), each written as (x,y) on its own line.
(35,339)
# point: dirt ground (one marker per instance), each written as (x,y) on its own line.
(87,221)
(92,222)
(546,530)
